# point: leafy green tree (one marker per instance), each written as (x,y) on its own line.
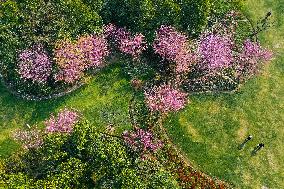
(83,158)
(146,16)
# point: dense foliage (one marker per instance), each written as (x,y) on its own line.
(146,16)
(25,24)
(84,158)
(194,15)
(67,34)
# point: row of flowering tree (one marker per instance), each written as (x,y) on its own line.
(216,61)
(68,63)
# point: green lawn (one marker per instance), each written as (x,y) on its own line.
(104,100)
(210,129)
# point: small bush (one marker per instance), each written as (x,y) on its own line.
(73,58)
(124,41)
(165,98)
(134,14)
(34,65)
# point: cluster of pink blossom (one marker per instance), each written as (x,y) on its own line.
(29,138)
(215,51)
(168,42)
(252,50)
(94,48)
(74,58)
(126,43)
(141,140)
(34,64)
(165,98)
(252,53)
(70,61)
(63,123)
(174,46)
(109,30)
(183,61)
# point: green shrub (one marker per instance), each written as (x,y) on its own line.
(9,40)
(96,5)
(221,7)
(194,15)
(137,15)
(167,13)
(49,20)
(84,158)
(146,16)
(45,21)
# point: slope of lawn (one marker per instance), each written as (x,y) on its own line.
(210,129)
(102,101)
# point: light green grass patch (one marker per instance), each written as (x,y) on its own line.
(217,124)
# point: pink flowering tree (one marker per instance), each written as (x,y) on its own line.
(70,61)
(94,49)
(165,98)
(224,60)
(125,42)
(142,141)
(215,52)
(63,122)
(248,61)
(34,64)
(73,58)
(174,46)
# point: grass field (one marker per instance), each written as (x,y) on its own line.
(210,129)
(104,100)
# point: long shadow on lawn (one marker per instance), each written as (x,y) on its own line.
(15,113)
(13,108)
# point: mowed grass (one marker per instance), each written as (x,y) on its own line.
(102,101)
(211,127)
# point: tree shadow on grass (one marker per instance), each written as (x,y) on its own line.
(14,108)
